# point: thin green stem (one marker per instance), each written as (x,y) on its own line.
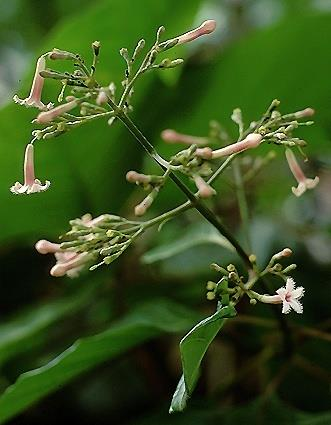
(242,202)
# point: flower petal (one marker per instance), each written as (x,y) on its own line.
(282,292)
(298,293)
(297,306)
(300,190)
(311,183)
(286,307)
(290,284)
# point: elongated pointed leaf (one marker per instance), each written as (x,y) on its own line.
(144,323)
(193,348)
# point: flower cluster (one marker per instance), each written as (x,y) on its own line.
(105,237)
(232,286)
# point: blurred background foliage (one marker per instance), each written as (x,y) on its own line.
(128,319)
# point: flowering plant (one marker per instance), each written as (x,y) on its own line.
(94,242)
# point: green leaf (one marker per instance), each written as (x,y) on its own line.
(180,397)
(144,323)
(24,331)
(193,348)
(86,165)
(194,235)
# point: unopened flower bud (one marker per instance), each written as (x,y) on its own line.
(96,47)
(167,63)
(251,141)
(252,258)
(204,189)
(61,54)
(46,117)
(102,98)
(206,27)
(172,136)
(205,153)
(308,112)
(210,296)
(211,285)
(134,177)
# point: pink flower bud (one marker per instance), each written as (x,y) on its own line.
(102,98)
(171,136)
(305,113)
(204,190)
(49,116)
(206,27)
(251,141)
(134,177)
(45,247)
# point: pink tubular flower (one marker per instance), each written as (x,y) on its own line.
(205,28)
(251,141)
(31,184)
(304,183)
(171,136)
(48,116)
(204,190)
(288,296)
(67,262)
(34,99)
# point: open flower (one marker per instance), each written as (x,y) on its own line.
(304,183)
(67,262)
(34,99)
(31,184)
(287,295)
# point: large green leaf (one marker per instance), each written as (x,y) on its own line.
(25,330)
(145,322)
(193,347)
(85,166)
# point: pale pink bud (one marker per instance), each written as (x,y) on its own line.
(134,177)
(204,190)
(69,263)
(305,113)
(205,153)
(251,141)
(45,247)
(31,184)
(34,99)
(102,98)
(286,252)
(171,136)
(304,183)
(206,27)
(49,116)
